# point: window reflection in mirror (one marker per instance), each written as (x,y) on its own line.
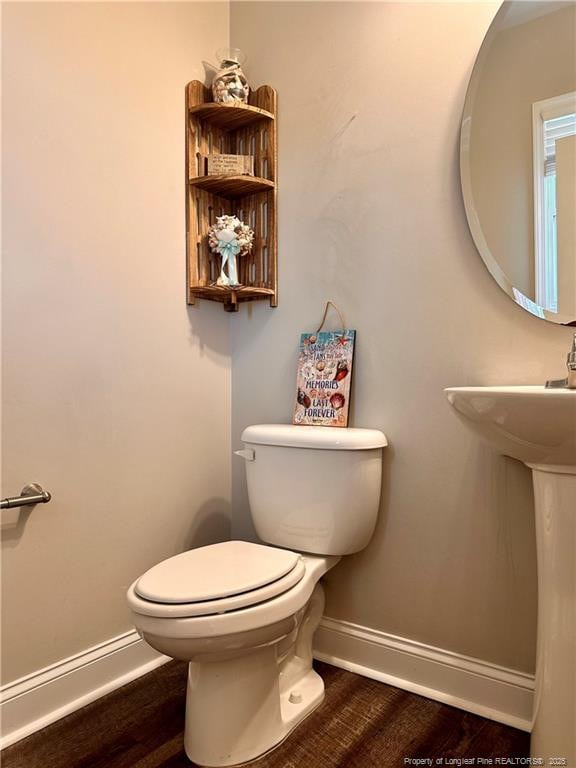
(554,152)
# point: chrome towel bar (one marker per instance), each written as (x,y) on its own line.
(30,494)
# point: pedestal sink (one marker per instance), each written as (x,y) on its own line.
(538,427)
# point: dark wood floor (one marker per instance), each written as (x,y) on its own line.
(361,724)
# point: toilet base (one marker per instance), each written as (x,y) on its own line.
(240,707)
(233,735)
(311,689)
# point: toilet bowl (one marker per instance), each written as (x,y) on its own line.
(250,678)
(244,614)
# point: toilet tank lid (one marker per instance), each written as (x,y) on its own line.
(323,438)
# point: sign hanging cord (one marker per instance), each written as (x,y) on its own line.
(340,315)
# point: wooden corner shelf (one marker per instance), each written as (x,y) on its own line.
(231,297)
(232,186)
(229,116)
(243,129)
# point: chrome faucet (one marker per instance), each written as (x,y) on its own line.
(570,381)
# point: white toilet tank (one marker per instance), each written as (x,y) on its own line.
(314,489)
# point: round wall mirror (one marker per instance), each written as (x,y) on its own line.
(518,155)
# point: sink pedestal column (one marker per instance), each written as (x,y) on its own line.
(554,731)
(537,426)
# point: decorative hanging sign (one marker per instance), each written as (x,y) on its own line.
(324,375)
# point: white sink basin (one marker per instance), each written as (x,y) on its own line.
(533,424)
(538,426)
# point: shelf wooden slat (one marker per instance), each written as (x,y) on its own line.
(224,293)
(232,186)
(230,116)
(231,297)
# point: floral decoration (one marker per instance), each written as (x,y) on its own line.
(229,238)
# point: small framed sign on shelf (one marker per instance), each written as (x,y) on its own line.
(230,165)
(324,375)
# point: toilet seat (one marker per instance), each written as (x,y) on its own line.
(216,579)
(168,621)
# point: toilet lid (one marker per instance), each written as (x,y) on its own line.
(214,572)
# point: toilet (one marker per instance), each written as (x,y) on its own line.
(244,614)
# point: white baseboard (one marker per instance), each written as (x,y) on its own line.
(501,694)
(35,701)
(485,689)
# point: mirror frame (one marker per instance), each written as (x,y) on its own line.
(474,225)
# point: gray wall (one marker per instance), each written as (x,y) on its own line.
(370,97)
(116,395)
(130,393)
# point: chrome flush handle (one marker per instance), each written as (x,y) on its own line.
(247,454)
